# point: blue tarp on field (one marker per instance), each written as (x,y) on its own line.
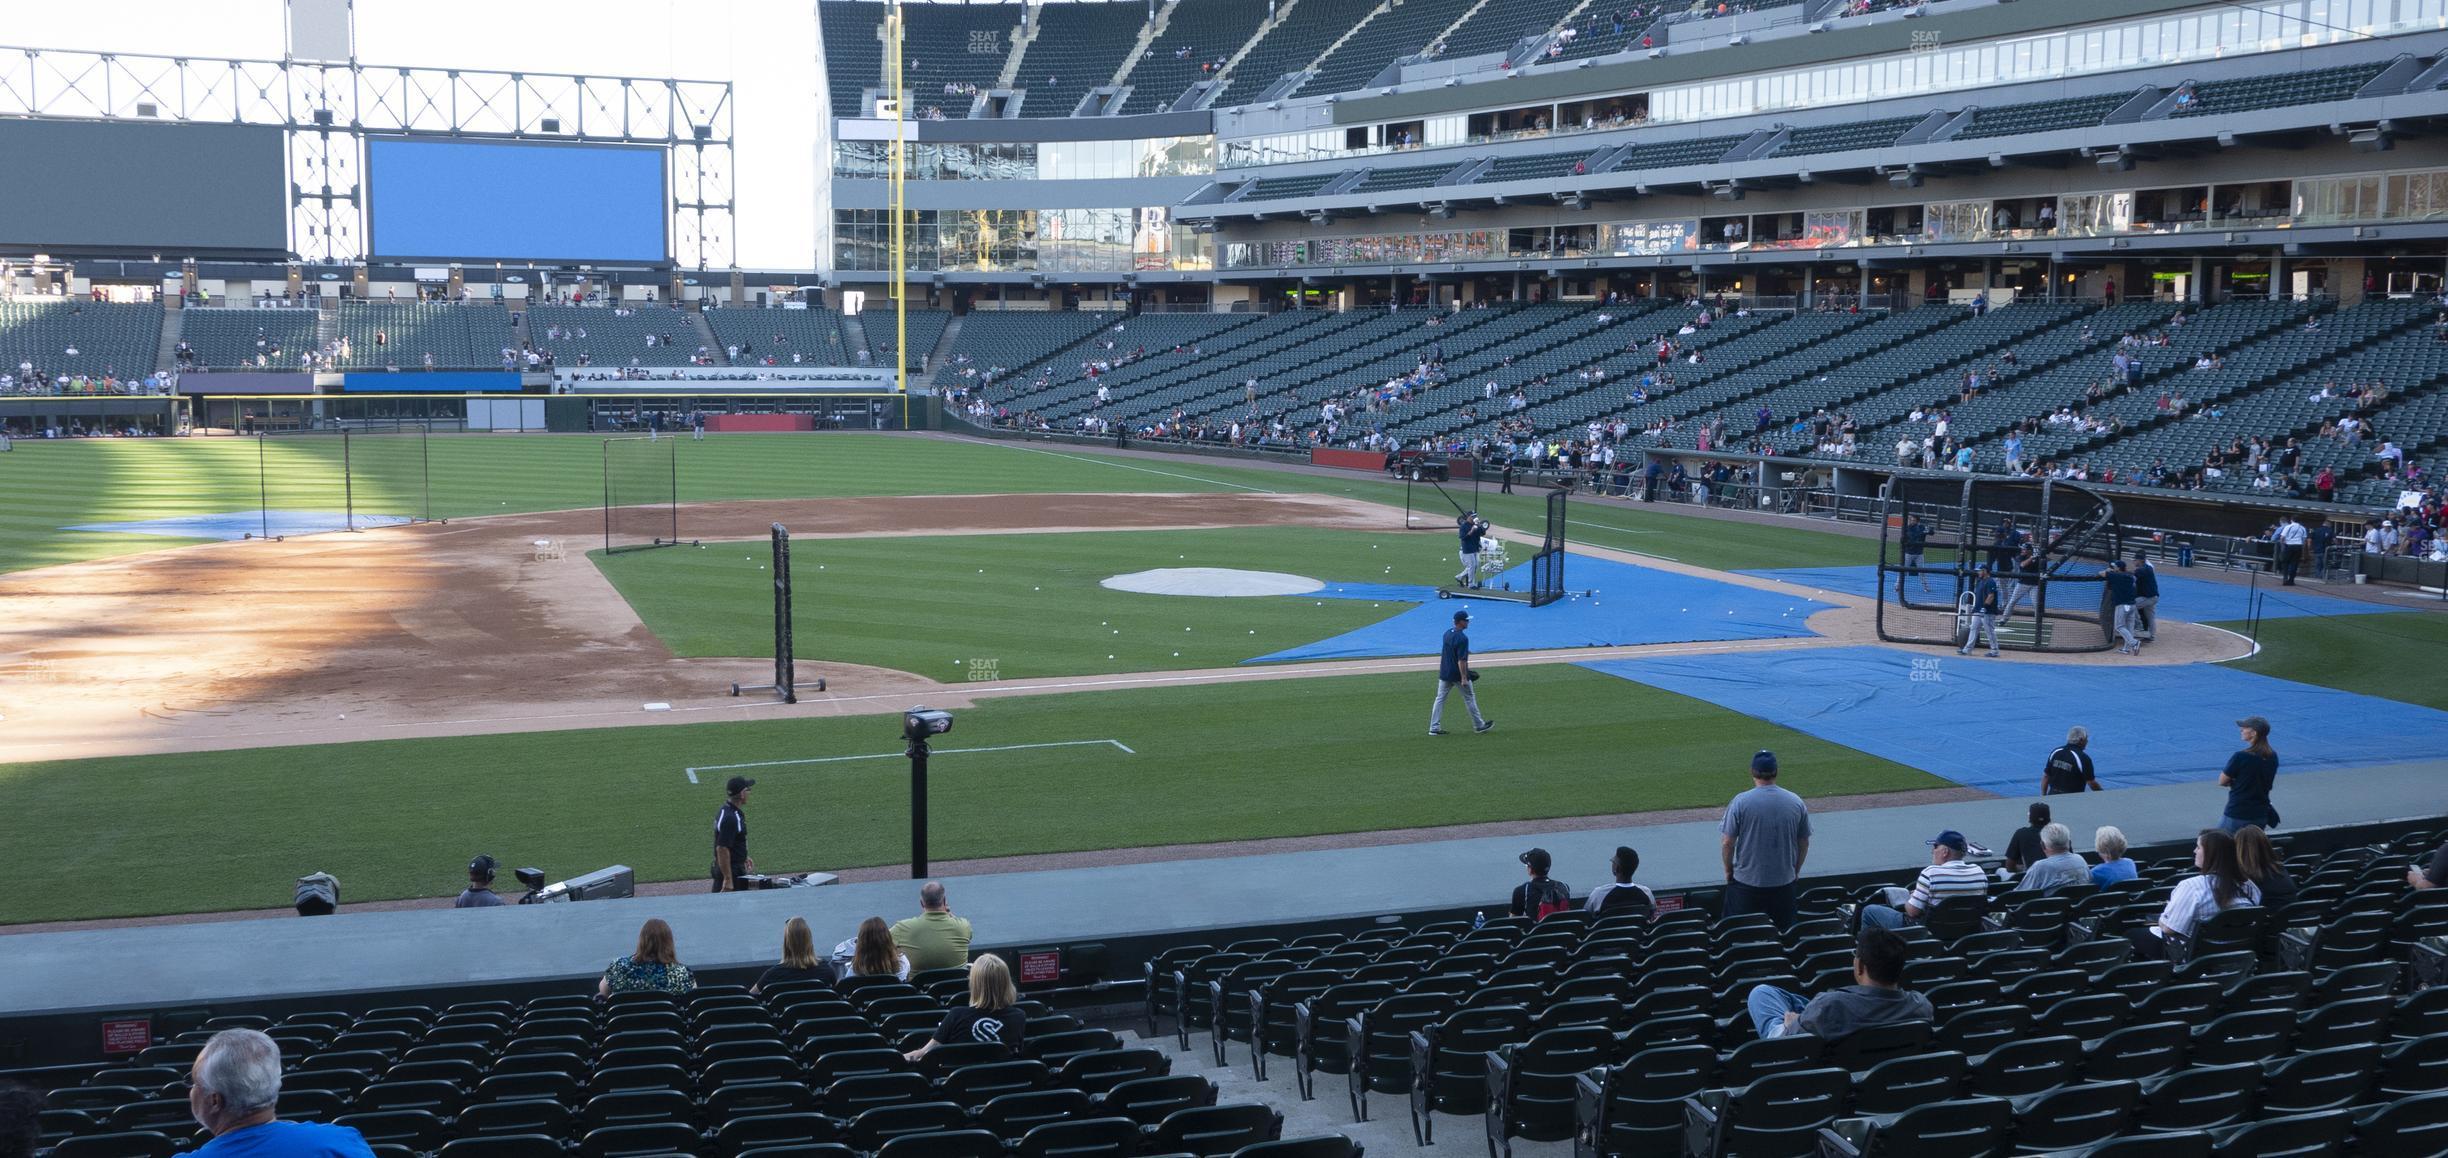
(1990,724)
(2180,598)
(1630,605)
(241,524)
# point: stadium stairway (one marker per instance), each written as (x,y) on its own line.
(1020,342)
(854,336)
(1155,338)
(174,323)
(705,334)
(2419,425)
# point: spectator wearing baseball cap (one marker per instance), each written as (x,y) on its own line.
(731,860)
(1765,836)
(2250,775)
(479,893)
(1539,897)
(1951,873)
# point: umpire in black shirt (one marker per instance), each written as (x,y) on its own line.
(731,861)
(2069,767)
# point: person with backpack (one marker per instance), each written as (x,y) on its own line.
(1539,898)
(1621,895)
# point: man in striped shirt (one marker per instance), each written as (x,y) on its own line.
(1950,874)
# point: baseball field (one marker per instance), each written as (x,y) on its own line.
(186,723)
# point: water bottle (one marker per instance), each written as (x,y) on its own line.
(1479,919)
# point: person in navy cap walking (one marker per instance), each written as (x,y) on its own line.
(1453,668)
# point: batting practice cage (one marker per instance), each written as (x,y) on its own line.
(2058,603)
(312,481)
(641,493)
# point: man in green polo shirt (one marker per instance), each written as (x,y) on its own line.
(934,939)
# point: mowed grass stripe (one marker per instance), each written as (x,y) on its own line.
(1024,605)
(2394,657)
(51,485)
(1213,763)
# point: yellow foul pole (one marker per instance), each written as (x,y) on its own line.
(900,236)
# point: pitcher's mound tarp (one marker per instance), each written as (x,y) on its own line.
(1633,605)
(1990,724)
(2180,598)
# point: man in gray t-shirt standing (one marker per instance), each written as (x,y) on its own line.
(1766,837)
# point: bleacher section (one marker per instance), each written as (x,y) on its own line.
(813,334)
(1852,135)
(234,338)
(926,329)
(1399,31)
(717,1071)
(956,44)
(2248,94)
(108,338)
(854,58)
(1280,188)
(1598,33)
(1016,340)
(610,338)
(1496,26)
(1541,167)
(399,335)
(1198,34)
(1290,45)
(1409,177)
(2041,116)
(1078,47)
(1669,154)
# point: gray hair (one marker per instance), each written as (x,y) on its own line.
(2110,841)
(2056,838)
(2077,734)
(931,895)
(244,1067)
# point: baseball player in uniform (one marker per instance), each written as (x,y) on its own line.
(1916,544)
(2146,598)
(1453,668)
(1473,529)
(1985,606)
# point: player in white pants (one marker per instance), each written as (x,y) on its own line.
(1473,529)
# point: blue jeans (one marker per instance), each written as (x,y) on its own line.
(1883,917)
(1769,1005)
(2229,824)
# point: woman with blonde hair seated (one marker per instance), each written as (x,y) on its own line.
(799,960)
(654,968)
(871,953)
(993,1015)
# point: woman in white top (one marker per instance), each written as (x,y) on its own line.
(2221,885)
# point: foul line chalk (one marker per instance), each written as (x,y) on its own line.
(692,772)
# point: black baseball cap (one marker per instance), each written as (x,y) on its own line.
(1462,616)
(737,785)
(483,867)
(1764,764)
(1538,860)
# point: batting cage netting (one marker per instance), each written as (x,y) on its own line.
(1547,567)
(2054,597)
(337,479)
(641,493)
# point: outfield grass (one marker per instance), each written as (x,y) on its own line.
(223,830)
(51,485)
(2395,657)
(1026,605)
